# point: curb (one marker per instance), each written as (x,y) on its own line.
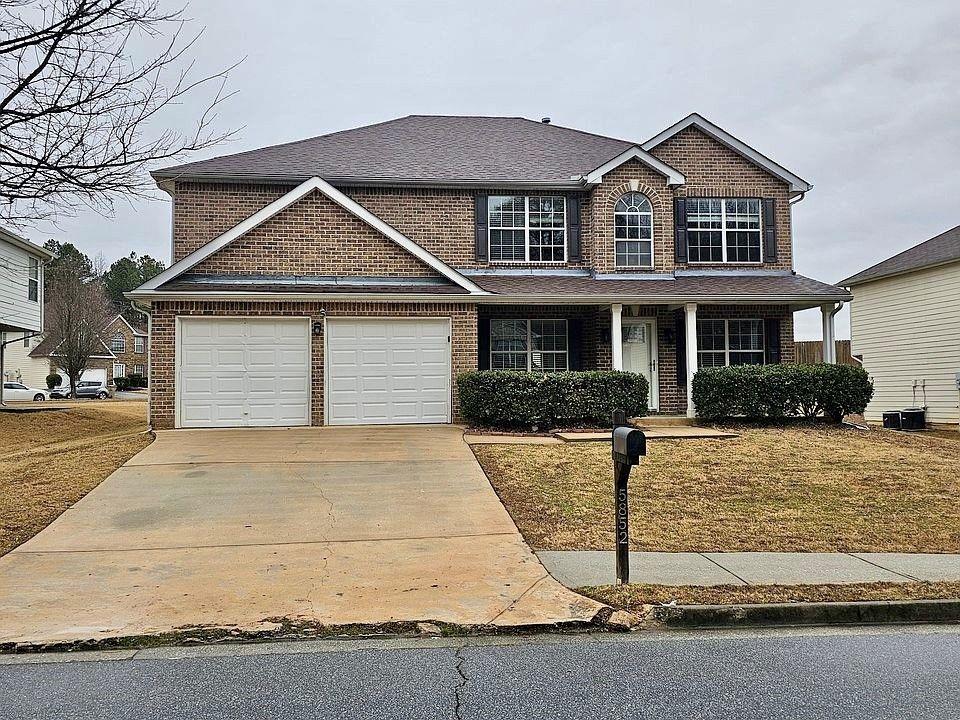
(820,613)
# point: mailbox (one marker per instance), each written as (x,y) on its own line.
(629,445)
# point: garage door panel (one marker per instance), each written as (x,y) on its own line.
(388,371)
(235,372)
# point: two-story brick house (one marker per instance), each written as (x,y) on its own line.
(349,278)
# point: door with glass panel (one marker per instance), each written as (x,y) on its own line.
(640,352)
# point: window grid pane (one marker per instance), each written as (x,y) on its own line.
(537,345)
(724,230)
(730,342)
(633,231)
(527,228)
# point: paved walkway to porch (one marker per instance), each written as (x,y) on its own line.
(580,568)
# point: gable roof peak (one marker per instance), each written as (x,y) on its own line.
(797,184)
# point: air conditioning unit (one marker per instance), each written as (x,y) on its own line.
(892,420)
(913,419)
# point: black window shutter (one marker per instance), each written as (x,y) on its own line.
(483,344)
(771,341)
(681,351)
(769,230)
(680,229)
(575,343)
(480,215)
(573,228)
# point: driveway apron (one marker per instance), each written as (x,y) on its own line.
(245,528)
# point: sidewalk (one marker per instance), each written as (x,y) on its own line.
(578,568)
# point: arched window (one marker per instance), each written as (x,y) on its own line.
(633,231)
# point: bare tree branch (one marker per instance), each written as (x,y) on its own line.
(80,118)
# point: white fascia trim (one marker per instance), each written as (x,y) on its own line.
(674,177)
(351,206)
(127,323)
(25,245)
(491,299)
(797,184)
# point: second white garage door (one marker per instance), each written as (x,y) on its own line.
(382,371)
(236,372)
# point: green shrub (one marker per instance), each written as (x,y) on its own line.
(136,380)
(121,383)
(779,391)
(54,381)
(506,399)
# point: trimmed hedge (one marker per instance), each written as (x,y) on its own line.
(507,399)
(54,380)
(778,391)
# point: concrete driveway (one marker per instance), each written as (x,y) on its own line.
(242,528)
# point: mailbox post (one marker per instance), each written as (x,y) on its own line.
(629,445)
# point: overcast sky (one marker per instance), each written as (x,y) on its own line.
(859,98)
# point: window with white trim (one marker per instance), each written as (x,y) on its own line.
(33,280)
(119,370)
(531,345)
(729,342)
(139,370)
(138,344)
(118,343)
(527,228)
(633,231)
(724,230)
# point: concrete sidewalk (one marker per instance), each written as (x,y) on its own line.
(579,568)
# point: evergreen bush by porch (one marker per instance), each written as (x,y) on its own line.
(510,400)
(778,391)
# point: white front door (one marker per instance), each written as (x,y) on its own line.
(387,370)
(640,353)
(236,372)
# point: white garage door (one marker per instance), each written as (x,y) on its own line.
(97,374)
(234,372)
(388,371)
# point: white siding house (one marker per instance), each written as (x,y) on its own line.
(21,303)
(19,366)
(905,325)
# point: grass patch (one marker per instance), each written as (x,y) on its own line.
(51,459)
(799,488)
(633,597)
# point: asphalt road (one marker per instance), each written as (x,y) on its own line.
(835,674)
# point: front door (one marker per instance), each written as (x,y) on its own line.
(640,352)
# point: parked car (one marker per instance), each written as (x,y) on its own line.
(85,389)
(19,391)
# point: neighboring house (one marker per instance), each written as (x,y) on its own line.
(350,278)
(21,295)
(905,327)
(125,349)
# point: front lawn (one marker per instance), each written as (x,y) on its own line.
(800,488)
(51,459)
(634,597)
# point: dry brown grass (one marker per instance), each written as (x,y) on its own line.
(51,459)
(801,488)
(632,597)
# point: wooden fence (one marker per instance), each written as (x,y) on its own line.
(811,351)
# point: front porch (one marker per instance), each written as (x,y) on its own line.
(666,343)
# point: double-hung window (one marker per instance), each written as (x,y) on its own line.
(138,344)
(724,230)
(729,342)
(118,343)
(33,280)
(531,345)
(139,370)
(633,231)
(119,370)
(527,228)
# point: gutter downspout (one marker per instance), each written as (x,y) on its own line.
(793,235)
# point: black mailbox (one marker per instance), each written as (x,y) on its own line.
(629,445)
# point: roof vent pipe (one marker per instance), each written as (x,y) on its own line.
(545,121)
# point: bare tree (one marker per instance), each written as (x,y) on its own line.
(79,114)
(77,310)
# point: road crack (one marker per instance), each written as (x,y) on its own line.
(458,690)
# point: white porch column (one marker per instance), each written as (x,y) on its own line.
(616,336)
(691,331)
(827,313)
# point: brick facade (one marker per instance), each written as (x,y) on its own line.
(315,236)
(129,356)
(162,360)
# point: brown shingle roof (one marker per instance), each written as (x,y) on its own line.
(426,148)
(682,286)
(938,250)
